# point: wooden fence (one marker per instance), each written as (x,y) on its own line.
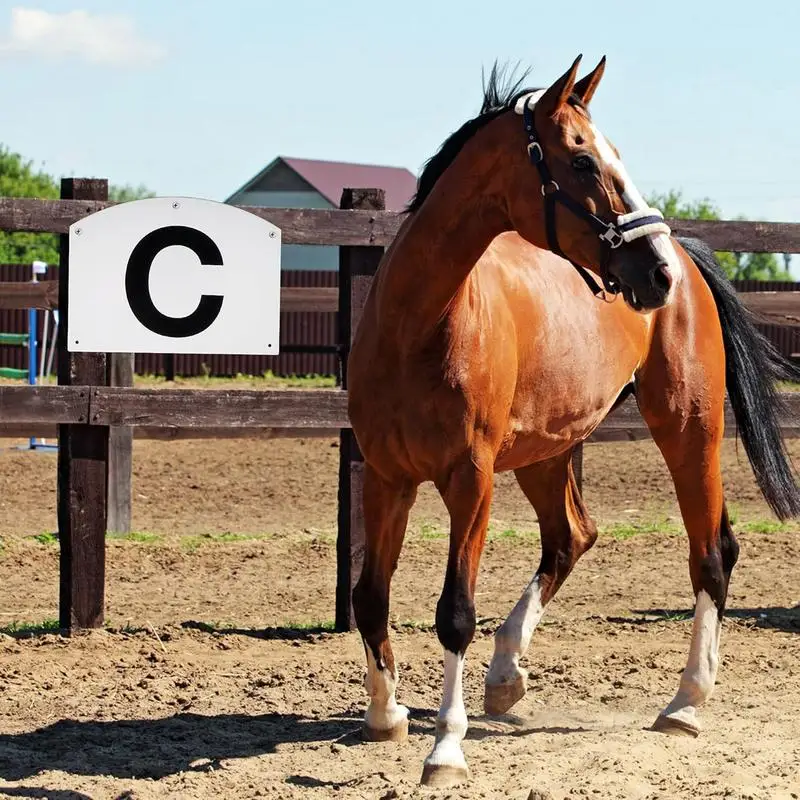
(97,420)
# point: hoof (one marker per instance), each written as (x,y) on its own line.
(442,776)
(397,733)
(674,726)
(497,699)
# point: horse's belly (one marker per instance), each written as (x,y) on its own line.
(552,429)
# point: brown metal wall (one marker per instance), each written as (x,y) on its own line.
(16,321)
(301,328)
(306,329)
(786,338)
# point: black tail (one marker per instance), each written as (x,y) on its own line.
(753,366)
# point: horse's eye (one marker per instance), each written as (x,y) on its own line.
(583,162)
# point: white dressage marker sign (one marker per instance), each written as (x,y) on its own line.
(174,275)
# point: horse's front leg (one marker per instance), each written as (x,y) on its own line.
(467,494)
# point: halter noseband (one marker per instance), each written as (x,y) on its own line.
(614,234)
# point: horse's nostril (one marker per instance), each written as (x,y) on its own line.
(661,278)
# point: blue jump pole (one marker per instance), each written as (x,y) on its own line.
(32,360)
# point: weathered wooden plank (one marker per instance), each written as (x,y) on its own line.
(24,430)
(298,225)
(43,404)
(742,237)
(214,413)
(781,308)
(777,307)
(371,227)
(18,294)
(357,268)
(44,216)
(312,298)
(82,462)
(120,454)
(577,465)
(298,408)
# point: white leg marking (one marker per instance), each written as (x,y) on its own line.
(383,713)
(697,680)
(451,724)
(513,637)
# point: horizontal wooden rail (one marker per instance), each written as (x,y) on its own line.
(24,430)
(340,227)
(780,308)
(777,307)
(311,298)
(26,294)
(205,414)
(44,404)
(318,408)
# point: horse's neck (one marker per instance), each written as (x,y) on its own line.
(432,257)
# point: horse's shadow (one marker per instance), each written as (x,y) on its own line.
(157,748)
(771,617)
(154,749)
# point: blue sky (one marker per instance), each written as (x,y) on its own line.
(193,97)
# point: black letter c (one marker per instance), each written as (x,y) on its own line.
(137,277)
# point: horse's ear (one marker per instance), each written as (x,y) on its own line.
(586,86)
(557,94)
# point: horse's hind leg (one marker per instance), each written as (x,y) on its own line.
(686,421)
(386,508)
(567,532)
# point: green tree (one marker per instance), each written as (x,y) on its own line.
(738,266)
(126,193)
(20,178)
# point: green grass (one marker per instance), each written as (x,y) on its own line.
(23,630)
(140,537)
(430,531)
(267,380)
(622,531)
(510,535)
(46,538)
(764,526)
(413,625)
(191,543)
(314,625)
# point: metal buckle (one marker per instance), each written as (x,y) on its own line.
(535,152)
(555,188)
(612,237)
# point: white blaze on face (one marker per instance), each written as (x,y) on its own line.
(634,201)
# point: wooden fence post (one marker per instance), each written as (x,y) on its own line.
(357,266)
(120,454)
(82,461)
(577,465)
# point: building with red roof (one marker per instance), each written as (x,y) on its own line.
(307,183)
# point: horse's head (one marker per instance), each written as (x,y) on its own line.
(593,214)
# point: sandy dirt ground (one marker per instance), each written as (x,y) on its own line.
(218,676)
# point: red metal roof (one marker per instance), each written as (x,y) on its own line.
(330,177)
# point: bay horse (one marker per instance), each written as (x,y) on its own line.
(529,290)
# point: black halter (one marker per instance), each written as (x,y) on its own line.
(612,234)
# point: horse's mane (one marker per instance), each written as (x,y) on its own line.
(500,93)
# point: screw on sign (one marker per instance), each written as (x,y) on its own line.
(166,275)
